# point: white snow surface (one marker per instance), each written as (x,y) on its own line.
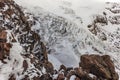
(78,40)
(72,77)
(14,65)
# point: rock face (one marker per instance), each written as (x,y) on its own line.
(30,66)
(4,47)
(14,19)
(28,63)
(101,66)
(34,57)
(92,67)
(110,16)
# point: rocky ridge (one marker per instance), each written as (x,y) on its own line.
(110,17)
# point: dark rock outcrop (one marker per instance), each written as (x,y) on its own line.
(110,17)
(4,47)
(101,66)
(14,19)
(92,67)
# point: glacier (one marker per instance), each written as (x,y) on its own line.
(62,25)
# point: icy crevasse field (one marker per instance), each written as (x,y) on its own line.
(62,25)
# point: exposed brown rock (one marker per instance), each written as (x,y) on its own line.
(49,67)
(2,4)
(61,77)
(4,47)
(80,74)
(77,78)
(98,66)
(92,67)
(70,74)
(110,64)
(36,78)
(12,77)
(13,38)
(46,77)
(4,50)
(30,40)
(3,36)
(26,77)
(63,67)
(44,51)
(101,19)
(25,65)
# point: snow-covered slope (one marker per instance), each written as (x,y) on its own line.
(63,27)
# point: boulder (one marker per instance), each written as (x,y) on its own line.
(101,66)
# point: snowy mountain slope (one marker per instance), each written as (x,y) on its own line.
(45,41)
(75,16)
(22,55)
(17,64)
(62,25)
